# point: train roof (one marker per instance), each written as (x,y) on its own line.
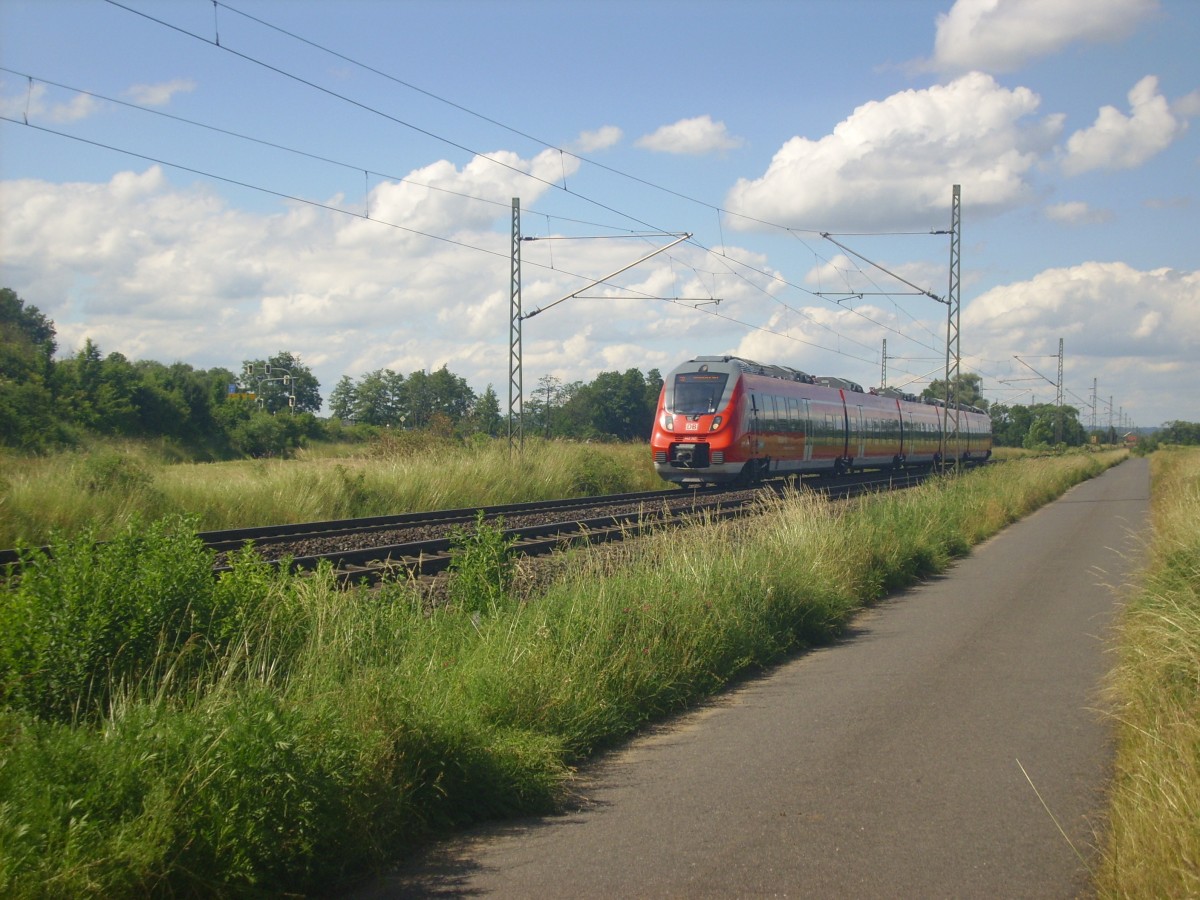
(896,394)
(786,373)
(844,383)
(750,367)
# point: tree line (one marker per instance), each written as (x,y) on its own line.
(270,405)
(615,406)
(1048,425)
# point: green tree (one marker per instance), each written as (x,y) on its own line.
(27,326)
(1174,432)
(486,417)
(970,390)
(160,403)
(279,378)
(1036,425)
(614,405)
(27,345)
(440,392)
(380,399)
(1178,432)
(115,399)
(654,385)
(342,399)
(573,416)
(450,395)
(540,406)
(255,432)
(1044,426)
(181,402)
(1010,424)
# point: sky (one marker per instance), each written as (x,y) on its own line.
(213,183)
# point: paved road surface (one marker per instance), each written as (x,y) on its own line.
(900,762)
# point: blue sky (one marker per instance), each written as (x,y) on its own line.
(755,126)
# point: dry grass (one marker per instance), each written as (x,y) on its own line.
(1153,848)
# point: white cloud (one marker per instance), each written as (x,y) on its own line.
(1168,203)
(1188,106)
(440,198)
(600,139)
(1117,141)
(1119,325)
(158,272)
(1004,35)
(33,102)
(693,137)
(1076,212)
(79,107)
(159,94)
(892,162)
(831,274)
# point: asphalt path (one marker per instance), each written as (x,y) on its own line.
(951,745)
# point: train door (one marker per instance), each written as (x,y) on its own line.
(858,440)
(774,411)
(753,434)
(806,428)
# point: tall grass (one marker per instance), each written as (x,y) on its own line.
(330,732)
(105,489)
(1154,821)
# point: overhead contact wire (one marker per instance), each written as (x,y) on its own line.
(462,147)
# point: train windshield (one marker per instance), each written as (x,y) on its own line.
(698,393)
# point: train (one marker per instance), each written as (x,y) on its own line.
(728,420)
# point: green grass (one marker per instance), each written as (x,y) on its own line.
(1153,848)
(103,490)
(315,734)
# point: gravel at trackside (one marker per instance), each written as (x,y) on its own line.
(316,545)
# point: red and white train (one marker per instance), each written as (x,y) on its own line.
(723,419)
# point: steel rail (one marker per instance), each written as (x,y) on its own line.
(236,538)
(424,558)
(429,556)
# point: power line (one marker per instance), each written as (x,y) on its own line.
(367,108)
(439,98)
(726,260)
(354,167)
(245,184)
(378,221)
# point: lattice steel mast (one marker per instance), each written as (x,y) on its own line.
(516,422)
(1058,403)
(950,433)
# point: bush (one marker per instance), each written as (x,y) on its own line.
(87,623)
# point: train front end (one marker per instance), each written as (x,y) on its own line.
(697,425)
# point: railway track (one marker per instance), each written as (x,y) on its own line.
(418,544)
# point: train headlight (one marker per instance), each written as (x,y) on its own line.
(716,423)
(668,422)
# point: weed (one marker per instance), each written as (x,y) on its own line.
(268,734)
(481,566)
(112,472)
